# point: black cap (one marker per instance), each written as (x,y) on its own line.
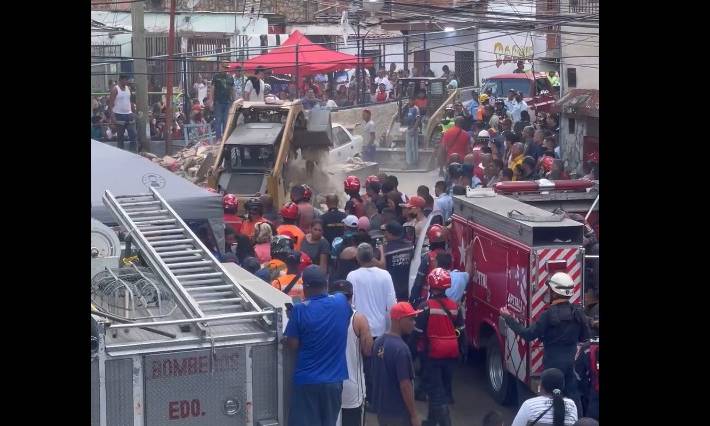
(395,228)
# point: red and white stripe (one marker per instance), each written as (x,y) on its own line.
(537,304)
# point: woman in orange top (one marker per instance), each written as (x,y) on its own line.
(291,273)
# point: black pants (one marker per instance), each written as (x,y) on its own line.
(438,375)
(367,370)
(353,416)
(394,421)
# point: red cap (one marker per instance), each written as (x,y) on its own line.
(403,310)
(414,201)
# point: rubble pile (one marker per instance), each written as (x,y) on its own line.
(190,163)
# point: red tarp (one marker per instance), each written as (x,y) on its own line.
(312,58)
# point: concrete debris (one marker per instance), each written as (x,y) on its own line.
(190,163)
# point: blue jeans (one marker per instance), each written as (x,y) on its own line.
(125,122)
(220,118)
(411,147)
(315,405)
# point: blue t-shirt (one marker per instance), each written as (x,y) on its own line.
(391,364)
(459,280)
(321,324)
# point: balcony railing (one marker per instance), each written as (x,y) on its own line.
(584,6)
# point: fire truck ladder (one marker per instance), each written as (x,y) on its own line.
(199,281)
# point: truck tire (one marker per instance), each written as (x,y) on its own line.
(500,383)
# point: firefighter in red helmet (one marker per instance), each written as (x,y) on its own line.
(355,205)
(439,323)
(437,236)
(230,204)
(289,214)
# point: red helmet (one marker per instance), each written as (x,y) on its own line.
(593,157)
(352,183)
(372,179)
(439,279)
(304,262)
(289,211)
(547,163)
(230,201)
(436,234)
(307,192)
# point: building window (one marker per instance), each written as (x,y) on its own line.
(571,77)
(264,42)
(570,126)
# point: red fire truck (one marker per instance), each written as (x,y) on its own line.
(510,248)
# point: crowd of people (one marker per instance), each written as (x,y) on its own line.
(356,326)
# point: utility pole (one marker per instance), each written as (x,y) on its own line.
(170,75)
(140,73)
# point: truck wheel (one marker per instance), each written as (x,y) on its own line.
(500,382)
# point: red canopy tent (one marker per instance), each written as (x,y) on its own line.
(299,52)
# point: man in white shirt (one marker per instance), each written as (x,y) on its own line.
(254,87)
(373,290)
(382,79)
(443,201)
(368,136)
(239,81)
(517,107)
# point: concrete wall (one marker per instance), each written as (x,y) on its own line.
(572,144)
(581,52)
(381,115)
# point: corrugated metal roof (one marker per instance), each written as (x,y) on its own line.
(584,102)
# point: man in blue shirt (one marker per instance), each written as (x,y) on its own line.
(473,106)
(443,200)
(318,329)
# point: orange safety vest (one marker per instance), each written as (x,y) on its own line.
(283,281)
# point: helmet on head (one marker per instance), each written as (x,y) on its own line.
(455,170)
(230,201)
(483,98)
(449,107)
(562,284)
(439,279)
(484,134)
(289,211)
(281,246)
(352,183)
(436,234)
(307,192)
(255,204)
(372,179)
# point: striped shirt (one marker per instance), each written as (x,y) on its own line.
(533,407)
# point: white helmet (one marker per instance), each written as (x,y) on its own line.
(562,284)
(483,134)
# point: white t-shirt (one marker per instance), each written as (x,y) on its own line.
(368,131)
(533,407)
(253,97)
(373,296)
(383,80)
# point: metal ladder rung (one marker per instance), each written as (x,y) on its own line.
(145,222)
(210,287)
(205,275)
(163,237)
(169,242)
(151,218)
(222,308)
(181,259)
(140,203)
(178,252)
(211,295)
(212,301)
(151,228)
(178,272)
(142,212)
(118,197)
(195,284)
(189,264)
(175,248)
(164,232)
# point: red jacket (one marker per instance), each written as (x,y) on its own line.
(440,330)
